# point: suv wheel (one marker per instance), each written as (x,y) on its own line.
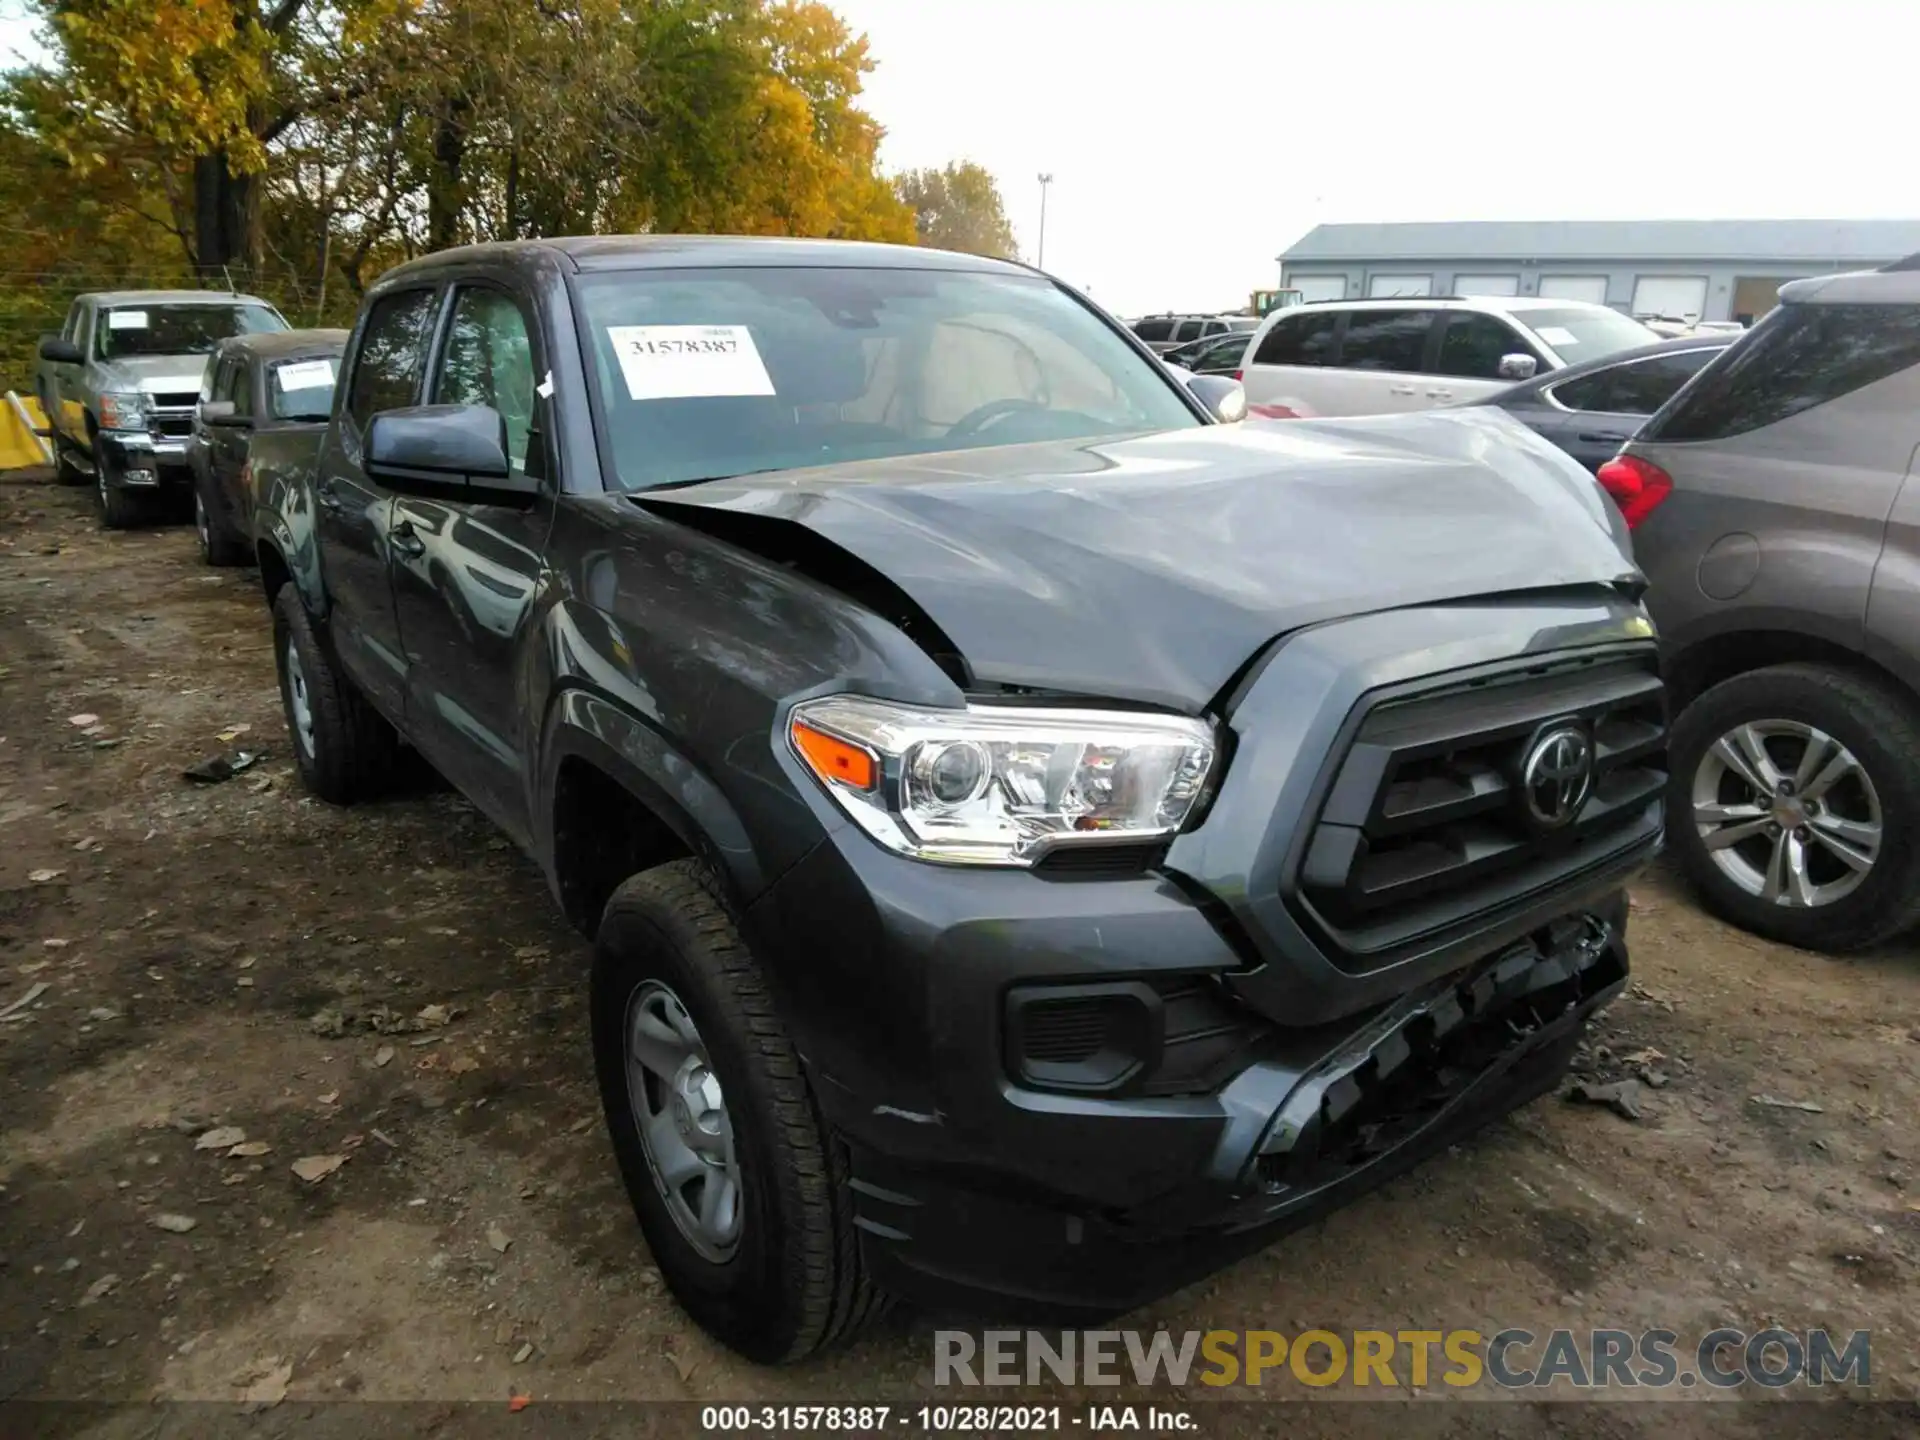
(120,508)
(218,544)
(738,1184)
(344,749)
(1794,805)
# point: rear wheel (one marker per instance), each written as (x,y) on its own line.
(1795,805)
(344,748)
(736,1179)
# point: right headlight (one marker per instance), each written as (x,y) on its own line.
(123,410)
(1002,784)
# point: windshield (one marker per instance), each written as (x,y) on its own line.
(1586,333)
(709,373)
(302,389)
(172,329)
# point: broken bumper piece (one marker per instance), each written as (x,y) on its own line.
(1323,1118)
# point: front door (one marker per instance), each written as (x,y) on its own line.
(355,515)
(465,575)
(227,445)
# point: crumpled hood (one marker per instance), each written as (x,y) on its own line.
(154,374)
(1153,568)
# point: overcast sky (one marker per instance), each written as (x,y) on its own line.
(1192,140)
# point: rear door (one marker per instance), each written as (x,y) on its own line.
(1592,416)
(1383,362)
(1288,372)
(465,574)
(355,515)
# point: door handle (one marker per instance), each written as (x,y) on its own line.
(406,539)
(1603,437)
(1400,389)
(1439,394)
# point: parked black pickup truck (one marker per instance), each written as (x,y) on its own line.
(1040,841)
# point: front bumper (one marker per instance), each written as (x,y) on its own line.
(1294,1136)
(138,459)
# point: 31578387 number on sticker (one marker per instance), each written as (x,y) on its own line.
(684,362)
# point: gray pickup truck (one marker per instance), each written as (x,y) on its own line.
(1041,840)
(120,384)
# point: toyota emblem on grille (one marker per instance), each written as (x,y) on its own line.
(1556,776)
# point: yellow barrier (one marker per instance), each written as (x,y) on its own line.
(22,424)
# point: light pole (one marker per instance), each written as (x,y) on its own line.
(1040,261)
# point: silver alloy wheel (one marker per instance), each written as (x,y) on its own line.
(299,702)
(1787,813)
(681,1113)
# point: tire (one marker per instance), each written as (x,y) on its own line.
(344,748)
(1868,811)
(793,1282)
(218,544)
(120,509)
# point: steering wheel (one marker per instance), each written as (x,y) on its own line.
(981,416)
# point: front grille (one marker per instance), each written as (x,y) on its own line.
(181,400)
(173,425)
(1427,826)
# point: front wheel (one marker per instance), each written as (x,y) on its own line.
(218,544)
(737,1181)
(120,508)
(1795,806)
(344,748)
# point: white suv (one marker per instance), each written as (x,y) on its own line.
(1372,357)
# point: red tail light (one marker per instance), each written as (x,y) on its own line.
(1636,485)
(1239,375)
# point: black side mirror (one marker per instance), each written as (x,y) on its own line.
(61,352)
(221,412)
(448,452)
(1224,396)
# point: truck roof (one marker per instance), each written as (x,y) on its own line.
(652,252)
(286,344)
(169,297)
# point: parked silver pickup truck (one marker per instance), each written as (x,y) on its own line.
(120,383)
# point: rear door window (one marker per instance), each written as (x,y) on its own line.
(1800,356)
(1304,339)
(1189,330)
(1643,386)
(1386,340)
(1153,330)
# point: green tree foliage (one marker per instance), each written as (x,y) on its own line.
(959,208)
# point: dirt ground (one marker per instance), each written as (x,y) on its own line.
(392,986)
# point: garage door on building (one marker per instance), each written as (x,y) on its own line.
(1591,288)
(1319,287)
(1677,297)
(1391,287)
(1486,284)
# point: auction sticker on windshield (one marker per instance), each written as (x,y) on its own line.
(305,375)
(680,362)
(126,319)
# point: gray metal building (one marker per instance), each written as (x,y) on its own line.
(1678,269)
